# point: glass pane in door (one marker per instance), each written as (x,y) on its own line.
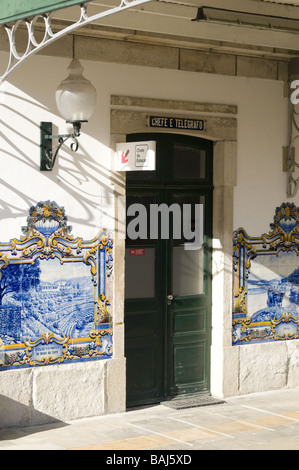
(188,252)
(187,271)
(189,162)
(140,272)
(192,216)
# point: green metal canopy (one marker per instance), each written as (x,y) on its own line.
(13,10)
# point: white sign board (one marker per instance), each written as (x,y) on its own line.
(136,156)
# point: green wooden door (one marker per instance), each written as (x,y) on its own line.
(168,287)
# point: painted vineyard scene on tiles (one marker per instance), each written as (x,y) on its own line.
(55,293)
(266,281)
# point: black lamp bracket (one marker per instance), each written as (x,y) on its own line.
(47,156)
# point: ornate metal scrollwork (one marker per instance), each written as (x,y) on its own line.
(291,164)
(293,182)
(48,156)
(33,45)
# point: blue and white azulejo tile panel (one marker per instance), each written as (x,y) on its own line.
(266,281)
(54,293)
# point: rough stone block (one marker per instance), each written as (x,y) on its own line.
(256,67)
(293,363)
(198,61)
(282,70)
(15,398)
(69,391)
(123,52)
(116,385)
(230,371)
(263,367)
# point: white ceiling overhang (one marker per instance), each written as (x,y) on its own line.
(258,25)
(174,20)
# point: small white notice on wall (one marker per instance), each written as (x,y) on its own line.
(136,156)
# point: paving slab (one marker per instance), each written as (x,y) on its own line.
(260,421)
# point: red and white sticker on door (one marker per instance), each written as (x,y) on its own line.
(137,251)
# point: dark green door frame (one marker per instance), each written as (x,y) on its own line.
(168,342)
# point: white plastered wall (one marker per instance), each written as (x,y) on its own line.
(84,184)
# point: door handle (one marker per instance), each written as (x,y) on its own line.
(169,299)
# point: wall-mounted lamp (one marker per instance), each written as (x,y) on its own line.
(292,165)
(75,100)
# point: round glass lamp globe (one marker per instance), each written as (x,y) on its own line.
(75,96)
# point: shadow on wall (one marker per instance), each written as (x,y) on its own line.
(16,414)
(84,177)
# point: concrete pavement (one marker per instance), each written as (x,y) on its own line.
(262,421)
